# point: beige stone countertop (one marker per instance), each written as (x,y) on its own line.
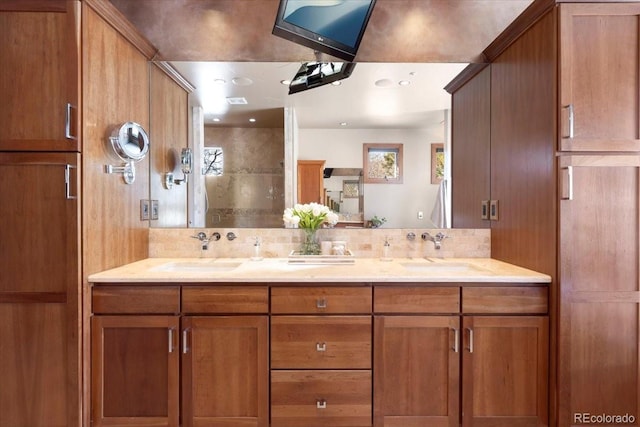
(268,270)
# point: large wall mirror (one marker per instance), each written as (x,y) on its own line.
(261,132)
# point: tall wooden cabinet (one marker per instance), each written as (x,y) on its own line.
(565,131)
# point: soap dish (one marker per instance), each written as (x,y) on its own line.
(295,257)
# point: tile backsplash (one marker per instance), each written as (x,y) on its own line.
(279,242)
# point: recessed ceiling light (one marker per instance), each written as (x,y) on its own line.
(216,119)
(238,100)
(242,81)
(404,82)
(384,83)
(285,82)
(343,123)
(252,120)
(336,83)
(219,81)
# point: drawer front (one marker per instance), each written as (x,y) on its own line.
(321,299)
(505,300)
(225,299)
(320,398)
(135,299)
(416,299)
(320,342)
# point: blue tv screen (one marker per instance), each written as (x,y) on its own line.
(334,27)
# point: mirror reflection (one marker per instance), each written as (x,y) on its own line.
(263,131)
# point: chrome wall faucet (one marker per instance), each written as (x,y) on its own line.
(204,240)
(437,239)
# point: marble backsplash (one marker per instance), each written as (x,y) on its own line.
(279,242)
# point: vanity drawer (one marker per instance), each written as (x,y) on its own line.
(321,299)
(320,342)
(505,300)
(321,398)
(135,299)
(225,299)
(416,299)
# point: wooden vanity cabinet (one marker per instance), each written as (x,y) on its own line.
(424,335)
(321,347)
(135,358)
(225,356)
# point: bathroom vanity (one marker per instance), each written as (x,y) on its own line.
(234,342)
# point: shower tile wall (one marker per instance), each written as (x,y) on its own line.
(250,193)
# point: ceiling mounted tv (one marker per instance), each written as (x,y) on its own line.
(314,74)
(334,27)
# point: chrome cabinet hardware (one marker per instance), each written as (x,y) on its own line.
(321,404)
(484,209)
(321,303)
(67,182)
(321,346)
(170,340)
(570,121)
(67,124)
(185,343)
(456,340)
(493,210)
(470,332)
(567,183)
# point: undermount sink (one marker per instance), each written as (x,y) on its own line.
(199,266)
(441,267)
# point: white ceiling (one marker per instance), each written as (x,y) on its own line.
(357,101)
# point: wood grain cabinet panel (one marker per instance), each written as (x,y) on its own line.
(399,298)
(123,299)
(321,398)
(321,300)
(505,300)
(505,371)
(225,371)
(134,371)
(416,371)
(320,342)
(225,299)
(310,181)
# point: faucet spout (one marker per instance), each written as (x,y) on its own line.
(437,239)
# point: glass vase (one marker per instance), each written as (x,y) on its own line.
(310,244)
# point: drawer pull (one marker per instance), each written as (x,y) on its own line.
(456,340)
(470,348)
(321,303)
(185,343)
(170,340)
(321,404)
(321,346)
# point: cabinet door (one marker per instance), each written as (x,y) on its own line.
(225,371)
(134,370)
(39,287)
(599,77)
(471,134)
(599,293)
(39,79)
(416,369)
(505,371)
(310,181)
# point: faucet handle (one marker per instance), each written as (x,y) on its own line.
(200,236)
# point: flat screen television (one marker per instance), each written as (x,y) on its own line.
(314,74)
(334,27)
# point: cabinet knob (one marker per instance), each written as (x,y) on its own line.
(321,346)
(321,404)
(321,303)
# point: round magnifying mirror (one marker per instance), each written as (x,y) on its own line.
(130,142)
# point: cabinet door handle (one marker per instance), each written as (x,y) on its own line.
(493,210)
(570,119)
(321,303)
(321,346)
(170,340)
(321,404)
(484,212)
(456,340)
(185,338)
(470,331)
(67,182)
(67,124)
(567,183)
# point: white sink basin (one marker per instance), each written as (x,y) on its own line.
(199,266)
(441,267)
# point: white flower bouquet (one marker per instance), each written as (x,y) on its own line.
(309,216)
